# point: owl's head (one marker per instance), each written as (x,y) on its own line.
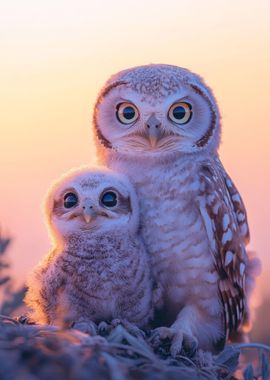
(91,201)
(156,110)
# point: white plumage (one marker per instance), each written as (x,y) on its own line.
(160,125)
(98,268)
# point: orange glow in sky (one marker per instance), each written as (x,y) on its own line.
(56,55)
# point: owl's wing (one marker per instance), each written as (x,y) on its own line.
(237,202)
(219,213)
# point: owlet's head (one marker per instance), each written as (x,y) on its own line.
(156,110)
(91,201)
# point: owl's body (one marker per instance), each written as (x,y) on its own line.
(160,126)
(99,268)
(96,278)
(175,236)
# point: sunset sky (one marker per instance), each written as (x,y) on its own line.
(56,55)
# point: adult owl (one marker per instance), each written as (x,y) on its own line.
(160,125)
(98,268)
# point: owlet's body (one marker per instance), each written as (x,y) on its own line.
(98,268)
(160,125)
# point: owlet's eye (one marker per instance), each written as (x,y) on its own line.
(109,199)
(180,113)
(127,113)
(70,200)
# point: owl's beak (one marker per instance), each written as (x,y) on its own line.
(153,130)
(88,212)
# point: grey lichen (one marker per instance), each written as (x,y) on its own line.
(42,352)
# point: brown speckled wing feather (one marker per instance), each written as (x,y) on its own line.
(237,202)
(227,243)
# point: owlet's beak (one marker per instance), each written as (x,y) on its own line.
(153,131)
(88,211)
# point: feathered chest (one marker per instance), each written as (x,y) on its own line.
(173,229)
(171,224)
(97,262)
(167,203)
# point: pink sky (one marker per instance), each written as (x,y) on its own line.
(56,55)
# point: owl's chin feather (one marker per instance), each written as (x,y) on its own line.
(165,146)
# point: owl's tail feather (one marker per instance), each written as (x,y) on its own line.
(253,270)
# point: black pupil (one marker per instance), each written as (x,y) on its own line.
(70,200)
(179,112)
(109,199)
(128,113)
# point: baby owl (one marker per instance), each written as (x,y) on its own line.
(160,125)
(98,267)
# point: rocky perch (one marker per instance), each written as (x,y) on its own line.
(31,352)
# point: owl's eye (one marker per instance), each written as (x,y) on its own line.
(127,113)
(180,113)
(109,199)
(70,200)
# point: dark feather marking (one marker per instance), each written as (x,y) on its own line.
(80,290)
(204,140)
(58,204)
(124,205)
(111,86)
(238,204)
(58,207)
(105,142)
(230,277)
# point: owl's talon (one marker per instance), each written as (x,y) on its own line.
(159,334)
(177,344)
(179,340)
(116,321)
(104,328)
(183,340)
(25,320)
(130,327)
(190,343)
